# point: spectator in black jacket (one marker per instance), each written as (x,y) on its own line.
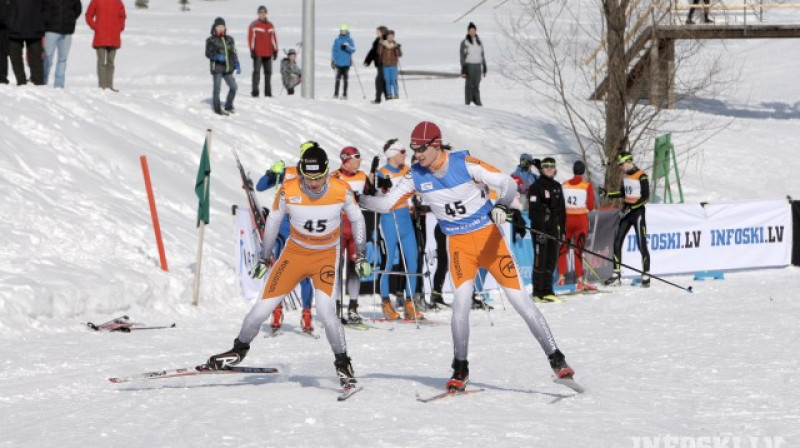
(26,29)
(221,50)
(59,26)
(4,12)
(548,215)
(372,56)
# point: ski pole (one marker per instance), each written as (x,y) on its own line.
(402,78)
(591,269)
(538,232)
(358,77)
(405,268)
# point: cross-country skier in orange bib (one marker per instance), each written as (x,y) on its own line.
(448,182)
(314,203)
(579,198)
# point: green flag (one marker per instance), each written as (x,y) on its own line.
(202,186)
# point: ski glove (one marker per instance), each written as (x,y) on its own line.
(238,68)
(261,267)
(219,57)
(275,57)
(384,183)
(277,167)
(500,214)
(343,47)
(602,191)
(363,268)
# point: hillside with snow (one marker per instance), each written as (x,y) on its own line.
(78,246)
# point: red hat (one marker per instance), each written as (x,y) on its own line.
(426,133)
(349,152)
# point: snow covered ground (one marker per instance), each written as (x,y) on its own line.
(78,246)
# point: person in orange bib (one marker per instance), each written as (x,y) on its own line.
(635,190)
(579,198)
(314,204)
(351,173)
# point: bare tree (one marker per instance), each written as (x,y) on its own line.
(549,45)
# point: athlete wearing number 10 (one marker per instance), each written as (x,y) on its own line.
(448,183)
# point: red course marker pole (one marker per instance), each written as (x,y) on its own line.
(154,213)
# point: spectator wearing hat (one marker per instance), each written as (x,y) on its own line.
(25,29)
(547,215)
(290,73)
(342,58)
(4,10)
(59,22)
(526,177)
(107,19)
(221,51)
(579,201)
(390,53)
(372,56)
(263,43)
(473,65)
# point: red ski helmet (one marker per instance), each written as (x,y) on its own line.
(349,152)
(426,134)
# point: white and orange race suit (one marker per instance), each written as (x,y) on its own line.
(312,250)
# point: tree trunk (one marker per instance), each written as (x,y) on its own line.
(616,136)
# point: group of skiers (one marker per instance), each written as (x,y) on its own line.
(323,212)
(44,29)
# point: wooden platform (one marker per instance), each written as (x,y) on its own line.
(653,73)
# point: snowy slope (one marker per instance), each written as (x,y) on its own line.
(78,246)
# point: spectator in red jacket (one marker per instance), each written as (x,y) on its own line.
(107,19)
(263,43)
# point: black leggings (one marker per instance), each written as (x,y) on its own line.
(636,219)
(341,72)
(441,259)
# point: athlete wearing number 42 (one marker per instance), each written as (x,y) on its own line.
(448,183)
(635,191)
(314,204)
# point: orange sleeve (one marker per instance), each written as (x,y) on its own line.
(490,168)
(590,205)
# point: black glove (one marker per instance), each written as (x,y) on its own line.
(369,188)
(343,47)
(602,191)
(252,54)
(275,57)
(624,211)
(375,162)
(384,183)
(538,164)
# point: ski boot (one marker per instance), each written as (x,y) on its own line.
(277,318)
(645,280)
(345,371)
(560,366)
(306,323)
(583,285)
(615,279)
(352,314)
(437,299)
(478,304)
(231,357)
(458,382)
(410,310)
(388,310)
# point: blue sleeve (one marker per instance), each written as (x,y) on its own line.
(267,181)
(352,47)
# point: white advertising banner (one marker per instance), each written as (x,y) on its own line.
(247,254)
(691,237)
